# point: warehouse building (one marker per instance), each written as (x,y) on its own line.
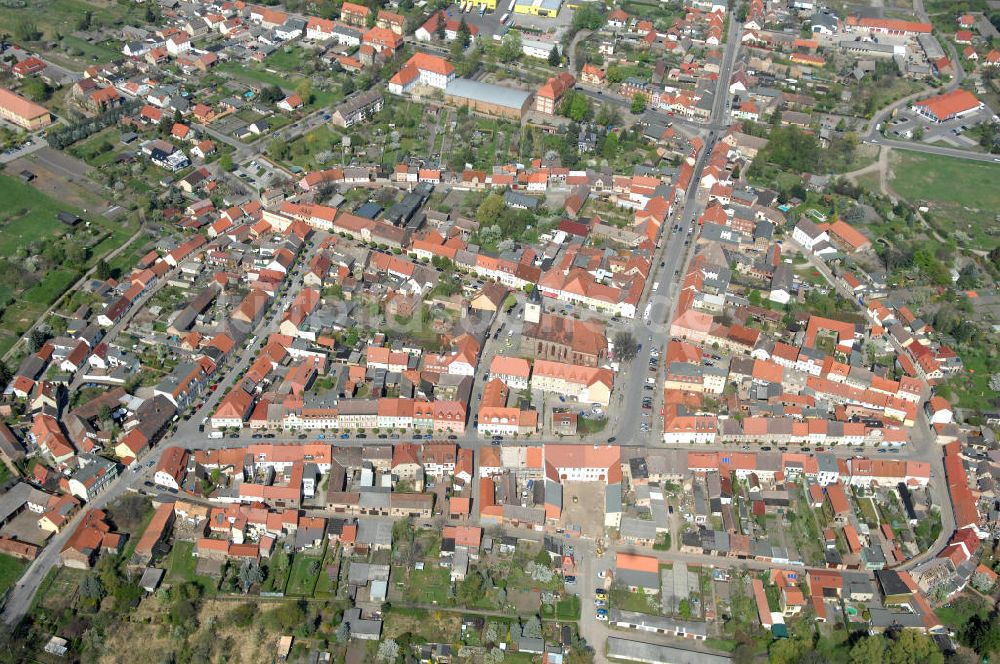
(488,99)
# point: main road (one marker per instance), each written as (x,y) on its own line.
(668,270)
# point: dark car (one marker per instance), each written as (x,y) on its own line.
(303,436)
(361,435)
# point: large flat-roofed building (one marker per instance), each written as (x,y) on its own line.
(538,7)
(488,99)
(639,651)
(26,114)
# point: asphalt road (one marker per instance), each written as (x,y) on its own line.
(932,149)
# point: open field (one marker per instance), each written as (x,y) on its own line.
(963,195)
(28,218)
(63,16)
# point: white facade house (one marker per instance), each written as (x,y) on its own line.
(809,235)
(178,44)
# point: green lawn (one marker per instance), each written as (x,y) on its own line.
(321,139)
(963,195)
(428,585)
(278,570)
(100,149)
(623,600)
(971,388)
(182,567)
(568,608)
(961,609)
(255,75)
(27,215)
(11,569)
(301,579)
(290,59)
(868,511)
(93,51)
(62,16)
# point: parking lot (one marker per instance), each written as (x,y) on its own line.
(489,23)
(583,508)
(954,133)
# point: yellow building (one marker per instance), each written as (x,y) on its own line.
(29,115)
(548,8)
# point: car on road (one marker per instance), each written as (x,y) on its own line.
(602,614)
(452,437)
(345,436)
(600,603)
(362,435)
(570,580)
(303,436)
(321,436)
(601,592)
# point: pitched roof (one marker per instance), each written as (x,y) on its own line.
(20,106)
(944,105)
